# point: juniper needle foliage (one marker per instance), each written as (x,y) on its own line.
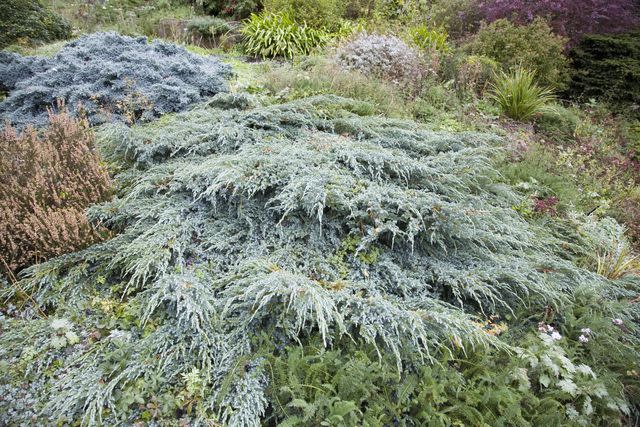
(244,230)
(113,77)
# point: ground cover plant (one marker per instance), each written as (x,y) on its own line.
(108,77)
(412,225)
(243,231)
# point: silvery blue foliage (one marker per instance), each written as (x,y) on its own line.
(386,57)
(108,73)
(282,222)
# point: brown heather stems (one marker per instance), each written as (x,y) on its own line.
(48,180)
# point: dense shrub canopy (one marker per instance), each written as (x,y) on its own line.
(111,76)
(315,13)
(608,68)
(532,46)
(28,21)
(241,231)
(570,18)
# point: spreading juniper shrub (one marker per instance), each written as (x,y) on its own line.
(109,77)
(310,220)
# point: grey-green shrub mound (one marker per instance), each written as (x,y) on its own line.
(30,21)
(112,77)
(278,223)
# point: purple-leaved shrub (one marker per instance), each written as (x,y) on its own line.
(109,77)
(570,18)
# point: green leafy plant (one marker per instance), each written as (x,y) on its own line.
(272,35)
(518,95)
(319,14)
(534,46)
(430,38)
(30,21)
(237,9)
(607,67)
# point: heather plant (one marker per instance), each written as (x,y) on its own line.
(272,35)
(48,181)
(533,46)
(244,232)
(558,123)
(30,21)
(100,73)
(518,95)
(386,57)
(570,18)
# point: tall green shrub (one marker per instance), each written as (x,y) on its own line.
(607,67)
(237,9)
(29,21)
(315,13)
(533,46)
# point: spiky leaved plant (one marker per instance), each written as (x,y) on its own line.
(241,232)
(518,95)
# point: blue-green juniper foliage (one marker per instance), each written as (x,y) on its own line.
(286,224)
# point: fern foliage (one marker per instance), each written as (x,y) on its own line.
(240,232)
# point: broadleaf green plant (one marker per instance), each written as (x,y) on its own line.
(272,35)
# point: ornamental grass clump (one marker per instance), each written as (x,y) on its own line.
(108,77)
(518,95)
(48,181)
(241,232)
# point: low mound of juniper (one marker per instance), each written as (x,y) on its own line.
(110,77)
(243,232)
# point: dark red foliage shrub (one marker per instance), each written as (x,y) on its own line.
(48,181)
(570,18)
(546,205)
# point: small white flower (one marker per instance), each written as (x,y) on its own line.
(58,324)
(555,335)
(617,322)
(586,331)
(72,338)
(583,339)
